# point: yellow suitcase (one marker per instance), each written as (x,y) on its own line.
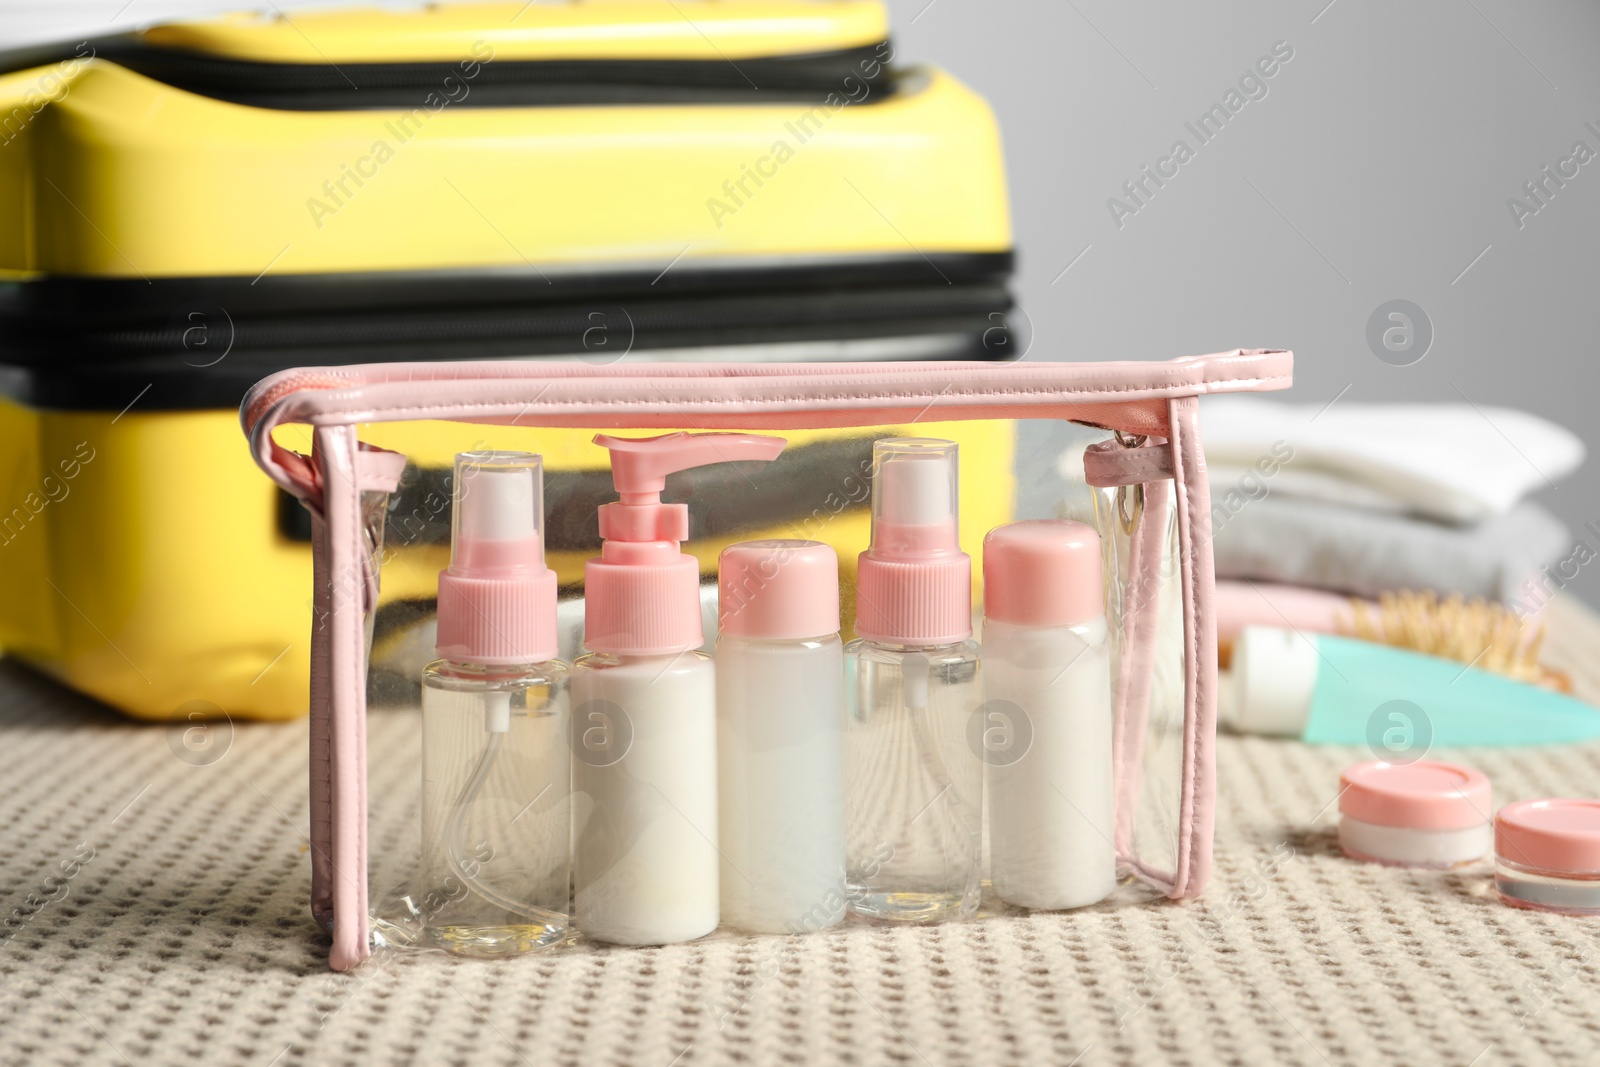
(187,209)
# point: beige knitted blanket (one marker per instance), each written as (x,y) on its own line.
(161,919)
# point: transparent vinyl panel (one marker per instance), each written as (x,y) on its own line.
(505,806)
(1149,777)
(1147,791)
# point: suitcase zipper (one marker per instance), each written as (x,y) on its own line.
(859,75)
(650,323)
(59,360)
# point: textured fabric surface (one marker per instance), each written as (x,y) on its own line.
(167,924)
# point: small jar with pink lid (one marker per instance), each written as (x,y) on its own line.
(1547,855)
(1419,814)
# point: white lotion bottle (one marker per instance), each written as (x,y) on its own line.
(780,736)
(496,780)
(1047,716)
(913,785)
(644,719)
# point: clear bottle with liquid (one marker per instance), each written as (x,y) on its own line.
(496,790)
(913,784)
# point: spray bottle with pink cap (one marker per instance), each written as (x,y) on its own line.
(645,707)
(913,785)
(496,777)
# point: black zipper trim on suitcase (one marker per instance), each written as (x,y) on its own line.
(855,75)
(84,301)
(197,353)
(559,329)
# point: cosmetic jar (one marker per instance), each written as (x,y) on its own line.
(1422,814)
(1547,855)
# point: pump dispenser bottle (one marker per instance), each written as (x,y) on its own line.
(644,737)
(496,778)
(913,785)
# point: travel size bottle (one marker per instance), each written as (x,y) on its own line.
(913,786)
(780,736)
(496,778)
(644,739)
(1046,724)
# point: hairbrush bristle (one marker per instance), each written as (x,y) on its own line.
(1484,635)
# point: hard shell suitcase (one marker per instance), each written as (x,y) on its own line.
(189,208)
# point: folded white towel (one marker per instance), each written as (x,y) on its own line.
(1309,483)
(1452,462)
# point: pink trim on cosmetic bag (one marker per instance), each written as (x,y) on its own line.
(1198,574)
(1155,399)
(334,450)
(1109,464)
(1147,466)
(320,727)
(338,728)
(776,396)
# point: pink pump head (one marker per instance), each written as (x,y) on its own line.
(642,596)
(913,583)
(497,599)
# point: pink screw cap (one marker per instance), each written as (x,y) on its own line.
(780,589)
(1558,837)
(497,599)
(1424,795)
(1042,572)
(642,596)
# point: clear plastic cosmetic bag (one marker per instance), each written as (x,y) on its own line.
(1112,444)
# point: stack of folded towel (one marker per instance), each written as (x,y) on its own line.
(1314,504)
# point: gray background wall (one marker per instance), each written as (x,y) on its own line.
(1377,167)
